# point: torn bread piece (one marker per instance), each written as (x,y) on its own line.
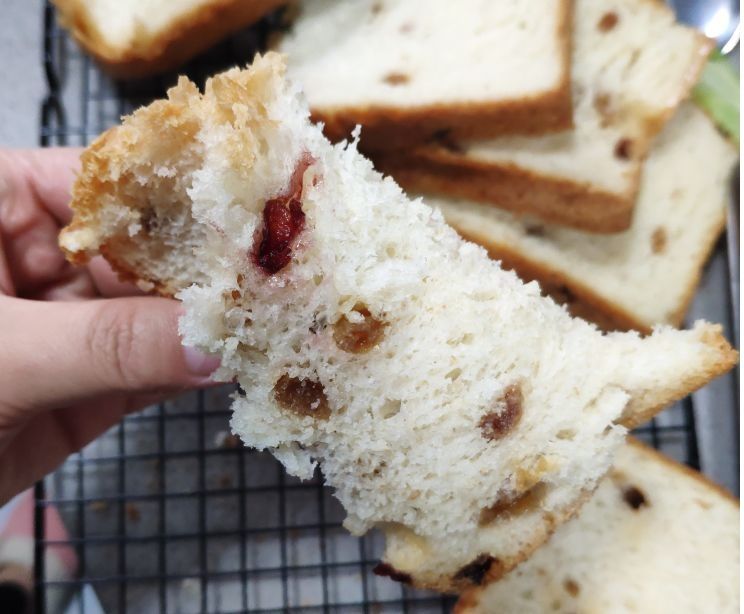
(368,337)
(408,71)
(638,278)
(656,536)
(632,64)
(137,38)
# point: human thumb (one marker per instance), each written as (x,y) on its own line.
(56,353)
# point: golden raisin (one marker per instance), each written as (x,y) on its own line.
(358,337)
(534,230)
(396,78)
(623,149)
(608,22)
(571,586)
(658,240)
(479,568)
(634,497)
(302,396)
(495,425)
(512,506)
(603,105)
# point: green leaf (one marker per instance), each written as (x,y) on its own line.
(718,93)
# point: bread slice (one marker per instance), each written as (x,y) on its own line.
(136,38)
(656,536)
(634,279)
(632,64)
(368,338)
(408,70)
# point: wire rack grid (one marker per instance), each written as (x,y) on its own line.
(166,513)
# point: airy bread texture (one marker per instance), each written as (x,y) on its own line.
(655,537)
(407,70)
(634,279)
(136,38)
(367,336)
(632,64)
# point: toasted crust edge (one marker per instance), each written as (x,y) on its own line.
(506,186)
(186,36)
(388,127)
(583,301)
(450,585)
(470,597)
(644,407)
(442,168)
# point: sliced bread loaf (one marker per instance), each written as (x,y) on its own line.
(655,537)
(367,336)
(135,38)
(408,70)
(634,279)
(632,64)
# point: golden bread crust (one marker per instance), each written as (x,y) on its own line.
(187,36)
(506,186)
(581,299)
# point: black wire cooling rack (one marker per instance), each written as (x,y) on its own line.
(166,512)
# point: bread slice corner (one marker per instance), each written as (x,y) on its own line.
(131,39)
(655,536)
(408,72)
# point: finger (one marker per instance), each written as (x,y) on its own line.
(50,173)
(75,285)
(107,281)
(64,431)
(56,354)
(30,182)
(6,281)
(23,461)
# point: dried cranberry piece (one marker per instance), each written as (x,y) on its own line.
(283,220)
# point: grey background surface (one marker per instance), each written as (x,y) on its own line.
(20,72)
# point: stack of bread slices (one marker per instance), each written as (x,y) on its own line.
(555,134)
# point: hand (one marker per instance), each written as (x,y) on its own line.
(73,359)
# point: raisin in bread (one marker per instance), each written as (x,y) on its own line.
(367,336)
(632,64)
(135,38)
(645,275)
(656,536)
(407,70)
